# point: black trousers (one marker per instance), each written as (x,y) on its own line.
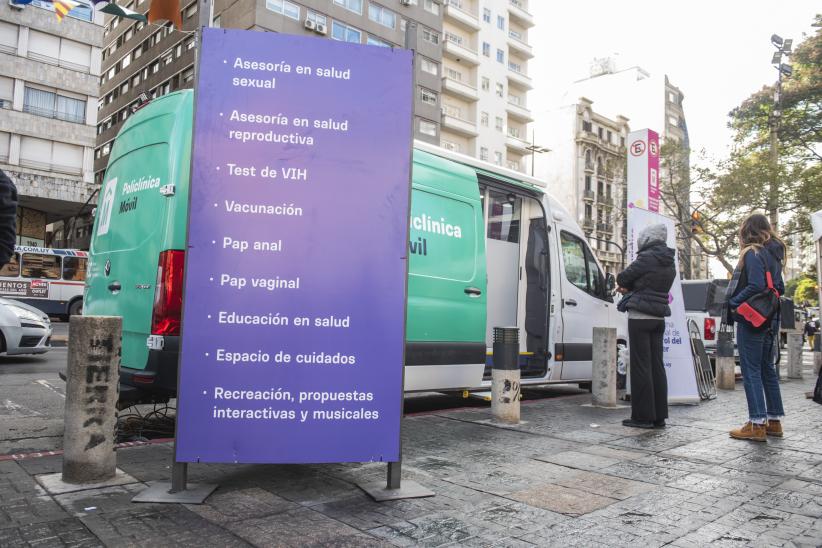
(649,384)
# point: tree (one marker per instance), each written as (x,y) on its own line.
(725,193)
(807,291)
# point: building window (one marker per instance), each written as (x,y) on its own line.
(673,120)
(500,56)
(499,123)
(373,41)
(345,33)
(190,11)
(500,22)
(430,35)
(486,15)
(586,126)
(381,15)
(289,9)
(353,5)
(454,74)
(498,157)
(448,145)
(316,18)
(428,97)
(484,154)
(513,165)
(52,105)
(429,66)
(486,49)
(500,90)
(431,6)
(428,128)
(188,75)
(484,119)
(486,84)
(513,132)
(451,110)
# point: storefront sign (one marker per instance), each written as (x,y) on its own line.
(294,309)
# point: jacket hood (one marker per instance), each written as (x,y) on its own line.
(776,249)
(654,234)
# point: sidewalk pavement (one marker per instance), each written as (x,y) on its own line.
(569,475)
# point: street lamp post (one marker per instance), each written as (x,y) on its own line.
(535,149)
(782,47)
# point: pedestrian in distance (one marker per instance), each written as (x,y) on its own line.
(646,285)
(8,218)
(759,270)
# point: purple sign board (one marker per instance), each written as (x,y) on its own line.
(294,311)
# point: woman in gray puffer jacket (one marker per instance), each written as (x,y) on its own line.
(646,284)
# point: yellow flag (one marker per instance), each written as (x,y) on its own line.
(62,7)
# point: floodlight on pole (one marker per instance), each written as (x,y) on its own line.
(535,149)
(786,69)
(787,45)
(776,40)
(777,58)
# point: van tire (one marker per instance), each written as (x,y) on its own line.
(586,386)
(75,308)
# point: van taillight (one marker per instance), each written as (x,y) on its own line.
(710,329)
(168,294)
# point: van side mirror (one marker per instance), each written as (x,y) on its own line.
(610,282)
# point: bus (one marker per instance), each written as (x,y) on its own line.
(51,280)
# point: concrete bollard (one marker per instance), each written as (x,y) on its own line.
(505,376)
(794,355)
(603,367)
(92,389)
(725,362)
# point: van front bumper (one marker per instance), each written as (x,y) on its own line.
(158,381)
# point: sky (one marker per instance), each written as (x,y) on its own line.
(717,52)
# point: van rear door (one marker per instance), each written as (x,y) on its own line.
(132,224)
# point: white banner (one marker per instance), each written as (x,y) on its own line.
(679,365)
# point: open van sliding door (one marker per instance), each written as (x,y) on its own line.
(518,272)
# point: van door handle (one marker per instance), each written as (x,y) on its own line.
(115,286)
(570,302)
(473,291)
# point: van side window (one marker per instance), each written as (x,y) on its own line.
(573,257)
(12,268)
(504,211)
(596,280)
(74,269)
(36,265)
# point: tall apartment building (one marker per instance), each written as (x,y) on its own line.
(49,73)
(459,91)
(649,101)
(585,170)
(485,80)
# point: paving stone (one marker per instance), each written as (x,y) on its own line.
(644,472)
(105,500)
(601,484)
(580,460)
(225,507)
(562,500)
(69,532)
(22,500)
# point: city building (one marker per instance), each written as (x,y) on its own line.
(650,101)
(460,91)
(585,170)
(49,76)
(485,80)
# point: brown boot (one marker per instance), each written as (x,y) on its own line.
(774,428)
(753,432)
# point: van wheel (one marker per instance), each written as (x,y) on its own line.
(75,308)
(586,386)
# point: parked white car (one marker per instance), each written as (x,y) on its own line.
(24,329)
(704,300)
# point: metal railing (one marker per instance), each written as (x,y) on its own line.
(605,227)
(588,195)
(45,166)
(53,113)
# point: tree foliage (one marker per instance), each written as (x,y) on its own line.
(807,291)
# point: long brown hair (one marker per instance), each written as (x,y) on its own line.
(754,232)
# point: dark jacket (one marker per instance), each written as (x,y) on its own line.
(649,279)
(8,218)
(749,279)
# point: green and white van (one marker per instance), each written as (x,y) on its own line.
(488,247)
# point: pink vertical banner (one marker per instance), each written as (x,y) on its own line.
(653,171)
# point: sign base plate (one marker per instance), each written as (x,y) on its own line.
(160,491)
(378,491)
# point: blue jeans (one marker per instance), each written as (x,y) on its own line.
(756,356)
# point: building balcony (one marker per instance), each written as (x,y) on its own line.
(519,112)
(605,200)
(452,49)
(516,144)
(518,13)
(588,224)
(518,46)
(461,16)
(605,228)
(460,89)
(519,79)
(588,195)
(463,127)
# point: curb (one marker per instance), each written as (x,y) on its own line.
(41,454)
